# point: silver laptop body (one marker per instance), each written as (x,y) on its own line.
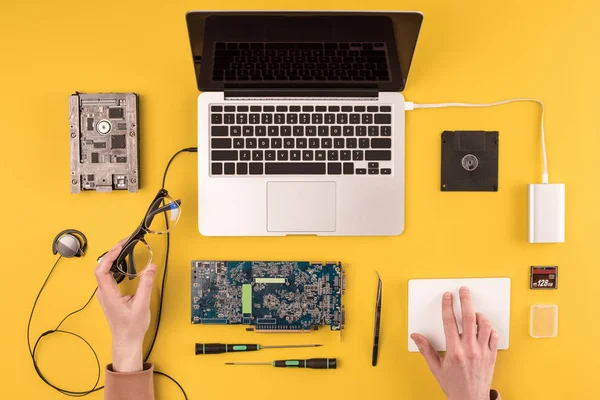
(301,121)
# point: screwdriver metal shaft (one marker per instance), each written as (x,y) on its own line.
(218,348)
(314,363)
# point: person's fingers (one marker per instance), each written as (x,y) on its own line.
(121,242)
(426,349)
(126,298)
(449,320)
(494,340)
(144,290)
(105,263)
(469,327)
(104,277)
(484,329)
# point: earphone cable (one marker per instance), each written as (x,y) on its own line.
(35,303)
(164,277)
(168,247)
(32,351)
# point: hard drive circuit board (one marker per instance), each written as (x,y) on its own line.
(268,295)
(104,142)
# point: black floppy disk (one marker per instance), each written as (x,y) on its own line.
(469,161)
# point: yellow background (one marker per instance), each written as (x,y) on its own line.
(469,50)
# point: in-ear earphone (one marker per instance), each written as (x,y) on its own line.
(69,243)
(73,250)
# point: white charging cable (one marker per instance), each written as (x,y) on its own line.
(409,105)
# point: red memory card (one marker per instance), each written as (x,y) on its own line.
(544,278)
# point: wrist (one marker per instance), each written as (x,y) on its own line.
(127,356)
(485,396)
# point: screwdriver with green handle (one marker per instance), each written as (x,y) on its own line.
(218,348)
(314,363)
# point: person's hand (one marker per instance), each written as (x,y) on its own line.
(128,316)
(465,371)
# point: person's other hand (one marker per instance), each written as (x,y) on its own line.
(128,316)
(465,372)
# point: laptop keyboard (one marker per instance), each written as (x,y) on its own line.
(300,62)
(300,140)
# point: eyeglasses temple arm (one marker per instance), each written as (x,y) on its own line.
(162,209)
(132,271)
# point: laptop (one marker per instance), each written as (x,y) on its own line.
(301,121)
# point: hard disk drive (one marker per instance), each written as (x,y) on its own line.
(104,142)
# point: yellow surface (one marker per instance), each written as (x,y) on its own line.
(469,50)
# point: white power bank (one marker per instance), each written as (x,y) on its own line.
(547,213)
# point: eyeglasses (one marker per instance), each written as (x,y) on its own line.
(136,255)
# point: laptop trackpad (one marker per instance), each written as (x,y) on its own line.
(301,206)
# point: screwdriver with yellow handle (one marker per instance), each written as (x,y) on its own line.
(218,348)
(314,363)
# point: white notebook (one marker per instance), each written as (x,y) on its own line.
(491,296)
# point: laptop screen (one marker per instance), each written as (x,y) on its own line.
(302,49)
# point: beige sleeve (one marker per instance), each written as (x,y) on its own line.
(494,395)
(129,385)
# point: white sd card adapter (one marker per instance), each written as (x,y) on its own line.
(547,213)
